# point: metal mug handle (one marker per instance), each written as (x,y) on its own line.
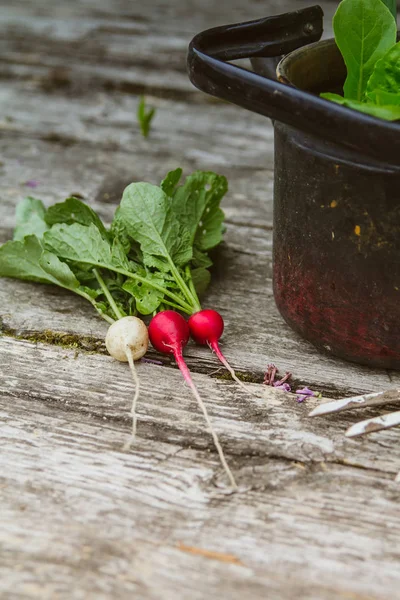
(209,71)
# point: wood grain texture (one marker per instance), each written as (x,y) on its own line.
(115,46)
(272,425)
(316,517)
(90,521)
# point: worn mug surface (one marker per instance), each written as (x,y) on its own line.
(336,231)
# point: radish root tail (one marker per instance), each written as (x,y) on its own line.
(129,356)
(227,366)
(188,378)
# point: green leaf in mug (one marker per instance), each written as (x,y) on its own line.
(364,32)
(392,6)
(389,113)
(384,84)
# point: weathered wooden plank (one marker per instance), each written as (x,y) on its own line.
(162,15)
(206,134)
(272,425)
(82,48)
(81,519)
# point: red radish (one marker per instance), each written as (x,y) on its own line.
(169,333)
(206,327)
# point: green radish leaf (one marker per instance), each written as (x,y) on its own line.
(59,270)
(389,113)
(145,117)
(197,202)
(118,230)
(83,272)
(201,259)
(130,247)
(384,84)
(23,260)
(91,292)
(30,219)
(149,218)
(170,181)
(81,244)
(201,280)
(154,262)
(73,211)
(157,234)
(147,298)
(105,308)
(364,32)
(118,256)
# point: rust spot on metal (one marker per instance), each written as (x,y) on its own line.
(283,79)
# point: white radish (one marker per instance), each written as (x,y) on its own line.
(127,340)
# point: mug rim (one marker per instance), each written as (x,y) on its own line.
(326,63)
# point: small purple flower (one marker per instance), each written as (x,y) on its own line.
(269,376)
(306,393)
(283,380)
(32,183)
(283,386)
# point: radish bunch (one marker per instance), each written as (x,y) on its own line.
(153,260)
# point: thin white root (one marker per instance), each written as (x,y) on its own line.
(214,435)
(235,377)
(130,441)
(188,378)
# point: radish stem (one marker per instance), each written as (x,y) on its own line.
(173,305)
(93,303)
(185,290)
(188,378)
(107,294)
(192,288)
